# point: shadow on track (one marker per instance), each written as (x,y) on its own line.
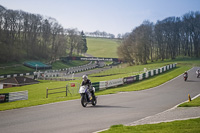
(107,106)
(192,81)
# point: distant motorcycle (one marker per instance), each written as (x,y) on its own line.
(185,77)
(198,74)
(87,97)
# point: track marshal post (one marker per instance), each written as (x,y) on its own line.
(189,98)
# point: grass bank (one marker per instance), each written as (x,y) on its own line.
(185,126)
(193,103)
(102,47)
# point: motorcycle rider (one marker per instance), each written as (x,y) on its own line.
(88,83)
(198,73)
(185,74)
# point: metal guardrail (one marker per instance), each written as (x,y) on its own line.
(13,96)
(20,95)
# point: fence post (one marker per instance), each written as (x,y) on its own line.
(47,93)
(66,90)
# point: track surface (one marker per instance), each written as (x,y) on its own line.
(121,108)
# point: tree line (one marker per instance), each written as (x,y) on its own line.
(98,33)
(168,38)
(32,36)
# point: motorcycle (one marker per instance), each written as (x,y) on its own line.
(86,96)
(198,74)
(185,77)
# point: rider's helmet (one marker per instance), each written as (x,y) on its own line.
(185,72)
(84,77)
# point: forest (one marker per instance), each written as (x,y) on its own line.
(167,39)
(25,35)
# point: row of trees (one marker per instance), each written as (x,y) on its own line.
(169,38)
(100,34)
(31,36)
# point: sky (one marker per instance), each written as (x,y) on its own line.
(111,16)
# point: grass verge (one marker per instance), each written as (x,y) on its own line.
(185,126)
(193,103)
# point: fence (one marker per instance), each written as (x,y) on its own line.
(47,91)
(71,88)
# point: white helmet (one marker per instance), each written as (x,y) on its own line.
(85,77)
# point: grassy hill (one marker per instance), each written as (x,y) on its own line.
(98,47)
(102,47)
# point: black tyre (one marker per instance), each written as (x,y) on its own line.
(94,100)
(83,100)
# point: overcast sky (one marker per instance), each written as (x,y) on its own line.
(112,16)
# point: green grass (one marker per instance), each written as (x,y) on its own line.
(99,47)
(14,70)
(185,126)
(37,95)
(193,103)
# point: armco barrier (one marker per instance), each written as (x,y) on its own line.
(20,95)
(96,85)
(14,96)
(128,80)
(77,69)
(15,75)
(111,83)
(4,97)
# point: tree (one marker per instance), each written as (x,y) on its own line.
(137,46)
(84,43)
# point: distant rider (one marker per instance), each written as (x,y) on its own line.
(198,73)
(185,74)
(88,83)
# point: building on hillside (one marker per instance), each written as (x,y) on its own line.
(16,81)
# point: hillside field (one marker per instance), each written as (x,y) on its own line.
(102,47)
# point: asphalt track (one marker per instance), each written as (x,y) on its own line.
(121,108)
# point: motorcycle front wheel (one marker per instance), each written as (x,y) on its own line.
(94,100)
(185,79)
(84,100)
